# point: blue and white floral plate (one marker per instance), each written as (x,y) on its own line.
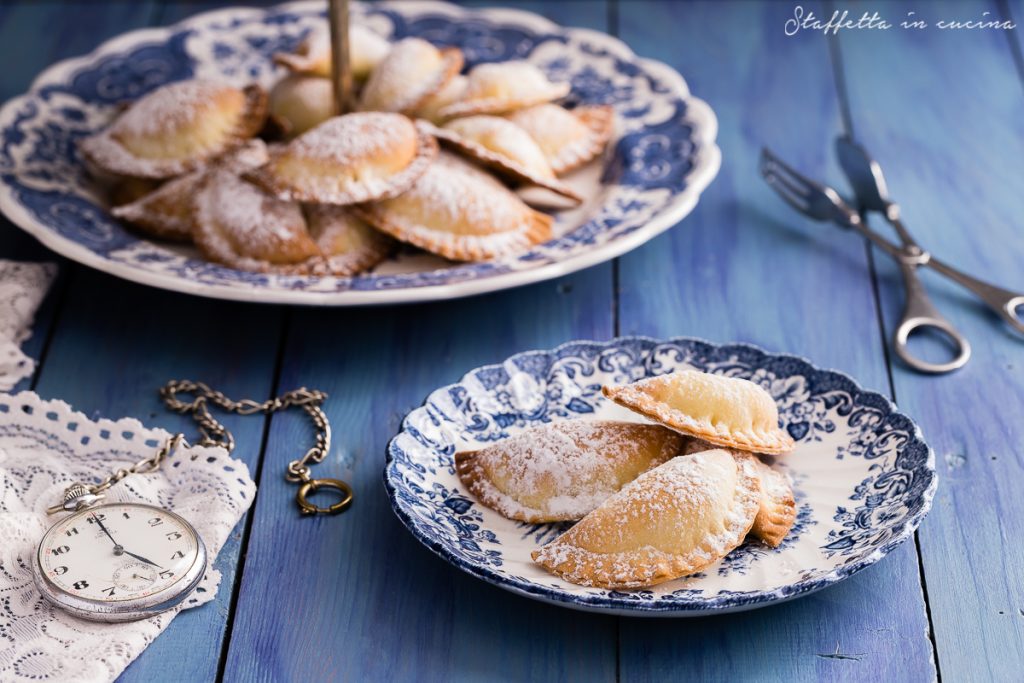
(662,155)
(862,474)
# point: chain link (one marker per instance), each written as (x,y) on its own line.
(79,496)
(216,434)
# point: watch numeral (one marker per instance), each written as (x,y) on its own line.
(156,521)
(125,515)
(60,571)
(73,531)
(79,585)
(60,550)
(166,574)
(96,517)
(177,555)
(173,536)
(109,591)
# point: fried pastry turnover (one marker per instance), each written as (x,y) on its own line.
(500,87)
(348,159)
(413,71)
(313,55)
(348,245)
(241,226)
(563,470)
(505,147)
(460,212)
(166,212)
(568,139)
(672,521)
(776,512)
(299,102)
(726,411)
(430,108)
(177,128)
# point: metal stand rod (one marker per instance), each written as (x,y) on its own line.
(341,68)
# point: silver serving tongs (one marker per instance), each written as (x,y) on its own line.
(824,203)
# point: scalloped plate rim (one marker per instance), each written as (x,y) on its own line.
(677,608)
(707,163)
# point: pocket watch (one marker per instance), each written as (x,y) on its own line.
(122,561)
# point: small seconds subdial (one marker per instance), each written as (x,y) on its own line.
(118,552)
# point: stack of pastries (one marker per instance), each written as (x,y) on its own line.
(652,501)
(275,182)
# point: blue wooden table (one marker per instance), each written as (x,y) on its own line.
(357,598)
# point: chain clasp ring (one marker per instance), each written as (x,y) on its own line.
(312,485)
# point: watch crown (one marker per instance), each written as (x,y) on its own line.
(78,496)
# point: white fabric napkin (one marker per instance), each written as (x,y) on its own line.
(22,288)
(45,446)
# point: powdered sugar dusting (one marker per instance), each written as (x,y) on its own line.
(563,470)
(411,71)
(168,108)
(670,522)
(356,138)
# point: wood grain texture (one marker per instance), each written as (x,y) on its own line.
(947,124)
(746,267)
(355,597)
(116,343)
(33,40)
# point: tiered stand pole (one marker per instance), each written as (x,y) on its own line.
(341,69)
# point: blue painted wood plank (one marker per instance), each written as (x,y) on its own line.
(356,597)
(116,343)
(745,267)
(947,125)
(31,43)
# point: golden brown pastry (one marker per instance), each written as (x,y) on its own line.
(460,212)
(349,159)
(725,411)
(505,147)
(166,213)
(299,102)
(413,71)
(431,107)
(177,128)
(241,226)
(500,87)
(776,511)
(313,55)
(672,521)
(348,245)
(563,470)
(568,139)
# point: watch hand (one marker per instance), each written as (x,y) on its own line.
(98,521)
(142,559)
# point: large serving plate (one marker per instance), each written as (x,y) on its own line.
(661,158)
(862,474)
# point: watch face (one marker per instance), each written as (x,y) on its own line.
(119,552)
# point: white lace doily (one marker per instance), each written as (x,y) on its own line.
(44,446)
(22,288)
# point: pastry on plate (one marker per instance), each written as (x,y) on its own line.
(166,212)
(241,226)
(726,411)
(670,522)
(458,211)
(776,511)
(313,55)
(504,147)
(299,102)
(348,159)
(430,108)
(563,470)
(411,73)
(177,128)
(500,87)
(568,139)
(348,245)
